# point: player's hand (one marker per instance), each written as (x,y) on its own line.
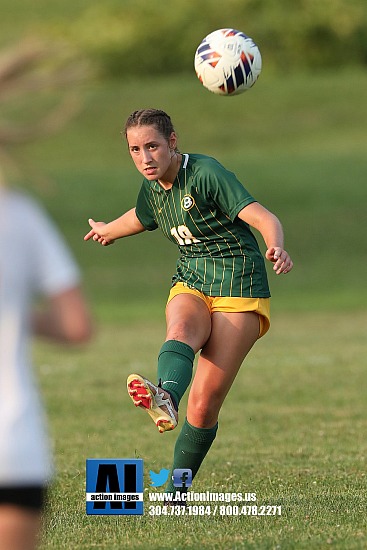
(98,233)
(280,258)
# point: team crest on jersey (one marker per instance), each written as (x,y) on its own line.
(187,202)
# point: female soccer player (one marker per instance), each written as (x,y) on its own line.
(219,300)
(34,262)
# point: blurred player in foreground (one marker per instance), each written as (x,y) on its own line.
(34,261)
(219,300)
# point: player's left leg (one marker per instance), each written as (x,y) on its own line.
(232,337)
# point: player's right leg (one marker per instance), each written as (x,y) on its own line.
(188,328)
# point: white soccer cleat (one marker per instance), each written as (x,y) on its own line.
(156,401)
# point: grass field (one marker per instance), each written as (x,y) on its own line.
(292,430)
(293,427)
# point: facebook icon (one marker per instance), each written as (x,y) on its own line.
(182,477)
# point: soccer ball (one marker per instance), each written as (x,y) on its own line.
(227,62)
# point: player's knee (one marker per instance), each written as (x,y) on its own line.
(186,331)
(204,410)
(179,330)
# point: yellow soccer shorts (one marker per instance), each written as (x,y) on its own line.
(261,306)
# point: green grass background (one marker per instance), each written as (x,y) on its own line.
(293,426)
(298,144)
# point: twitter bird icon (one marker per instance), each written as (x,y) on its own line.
(158,479)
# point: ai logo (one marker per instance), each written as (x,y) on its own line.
(114,486)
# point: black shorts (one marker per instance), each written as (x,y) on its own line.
(31,497)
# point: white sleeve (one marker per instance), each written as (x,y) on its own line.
(54,268)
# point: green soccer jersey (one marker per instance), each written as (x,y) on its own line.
(219,254)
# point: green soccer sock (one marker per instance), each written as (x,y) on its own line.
(175,363)
(191,448)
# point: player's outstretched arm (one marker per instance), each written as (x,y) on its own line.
(271,229)
(106,233)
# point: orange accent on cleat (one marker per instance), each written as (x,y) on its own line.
(164,426)
(139,394)
(156,401)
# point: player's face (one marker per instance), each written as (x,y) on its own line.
(151,152)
